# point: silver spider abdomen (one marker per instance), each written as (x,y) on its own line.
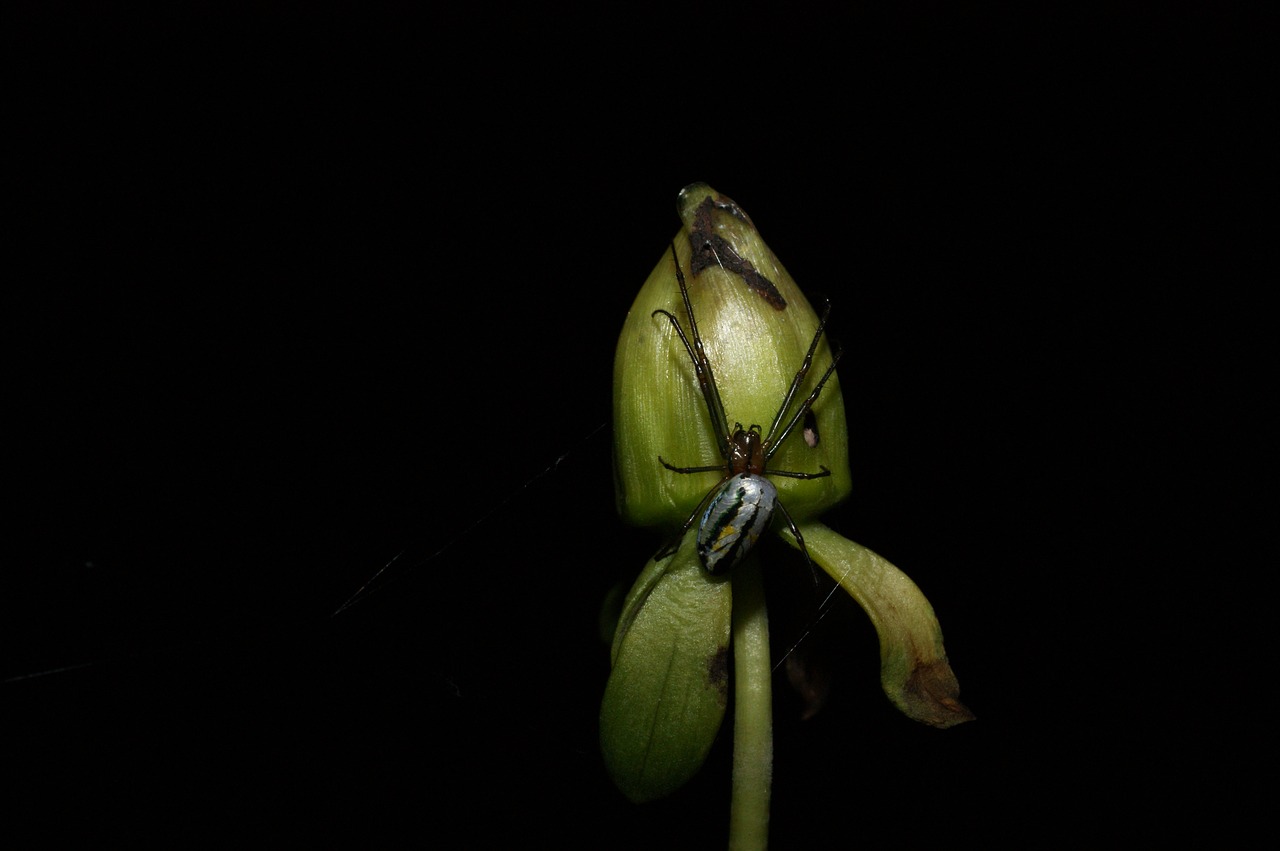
(734,519)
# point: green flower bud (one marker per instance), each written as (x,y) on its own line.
(756,327)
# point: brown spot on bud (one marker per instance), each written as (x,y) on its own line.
(712,249)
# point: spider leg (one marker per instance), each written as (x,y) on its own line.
(808,403)
(701,363)
(801,373)
(673,544)
(708,469)
(793,475)
(791,524)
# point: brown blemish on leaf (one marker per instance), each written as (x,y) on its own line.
(718,673)
(932,694)
(710,249)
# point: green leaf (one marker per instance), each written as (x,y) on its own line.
(666,695)
(914,670)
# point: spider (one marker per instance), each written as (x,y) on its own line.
(740,507)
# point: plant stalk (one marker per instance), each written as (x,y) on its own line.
(753,712)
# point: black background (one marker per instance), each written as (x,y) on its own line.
(300,289)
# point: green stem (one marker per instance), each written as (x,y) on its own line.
(753,712)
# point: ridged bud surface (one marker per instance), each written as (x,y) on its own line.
(756,327)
